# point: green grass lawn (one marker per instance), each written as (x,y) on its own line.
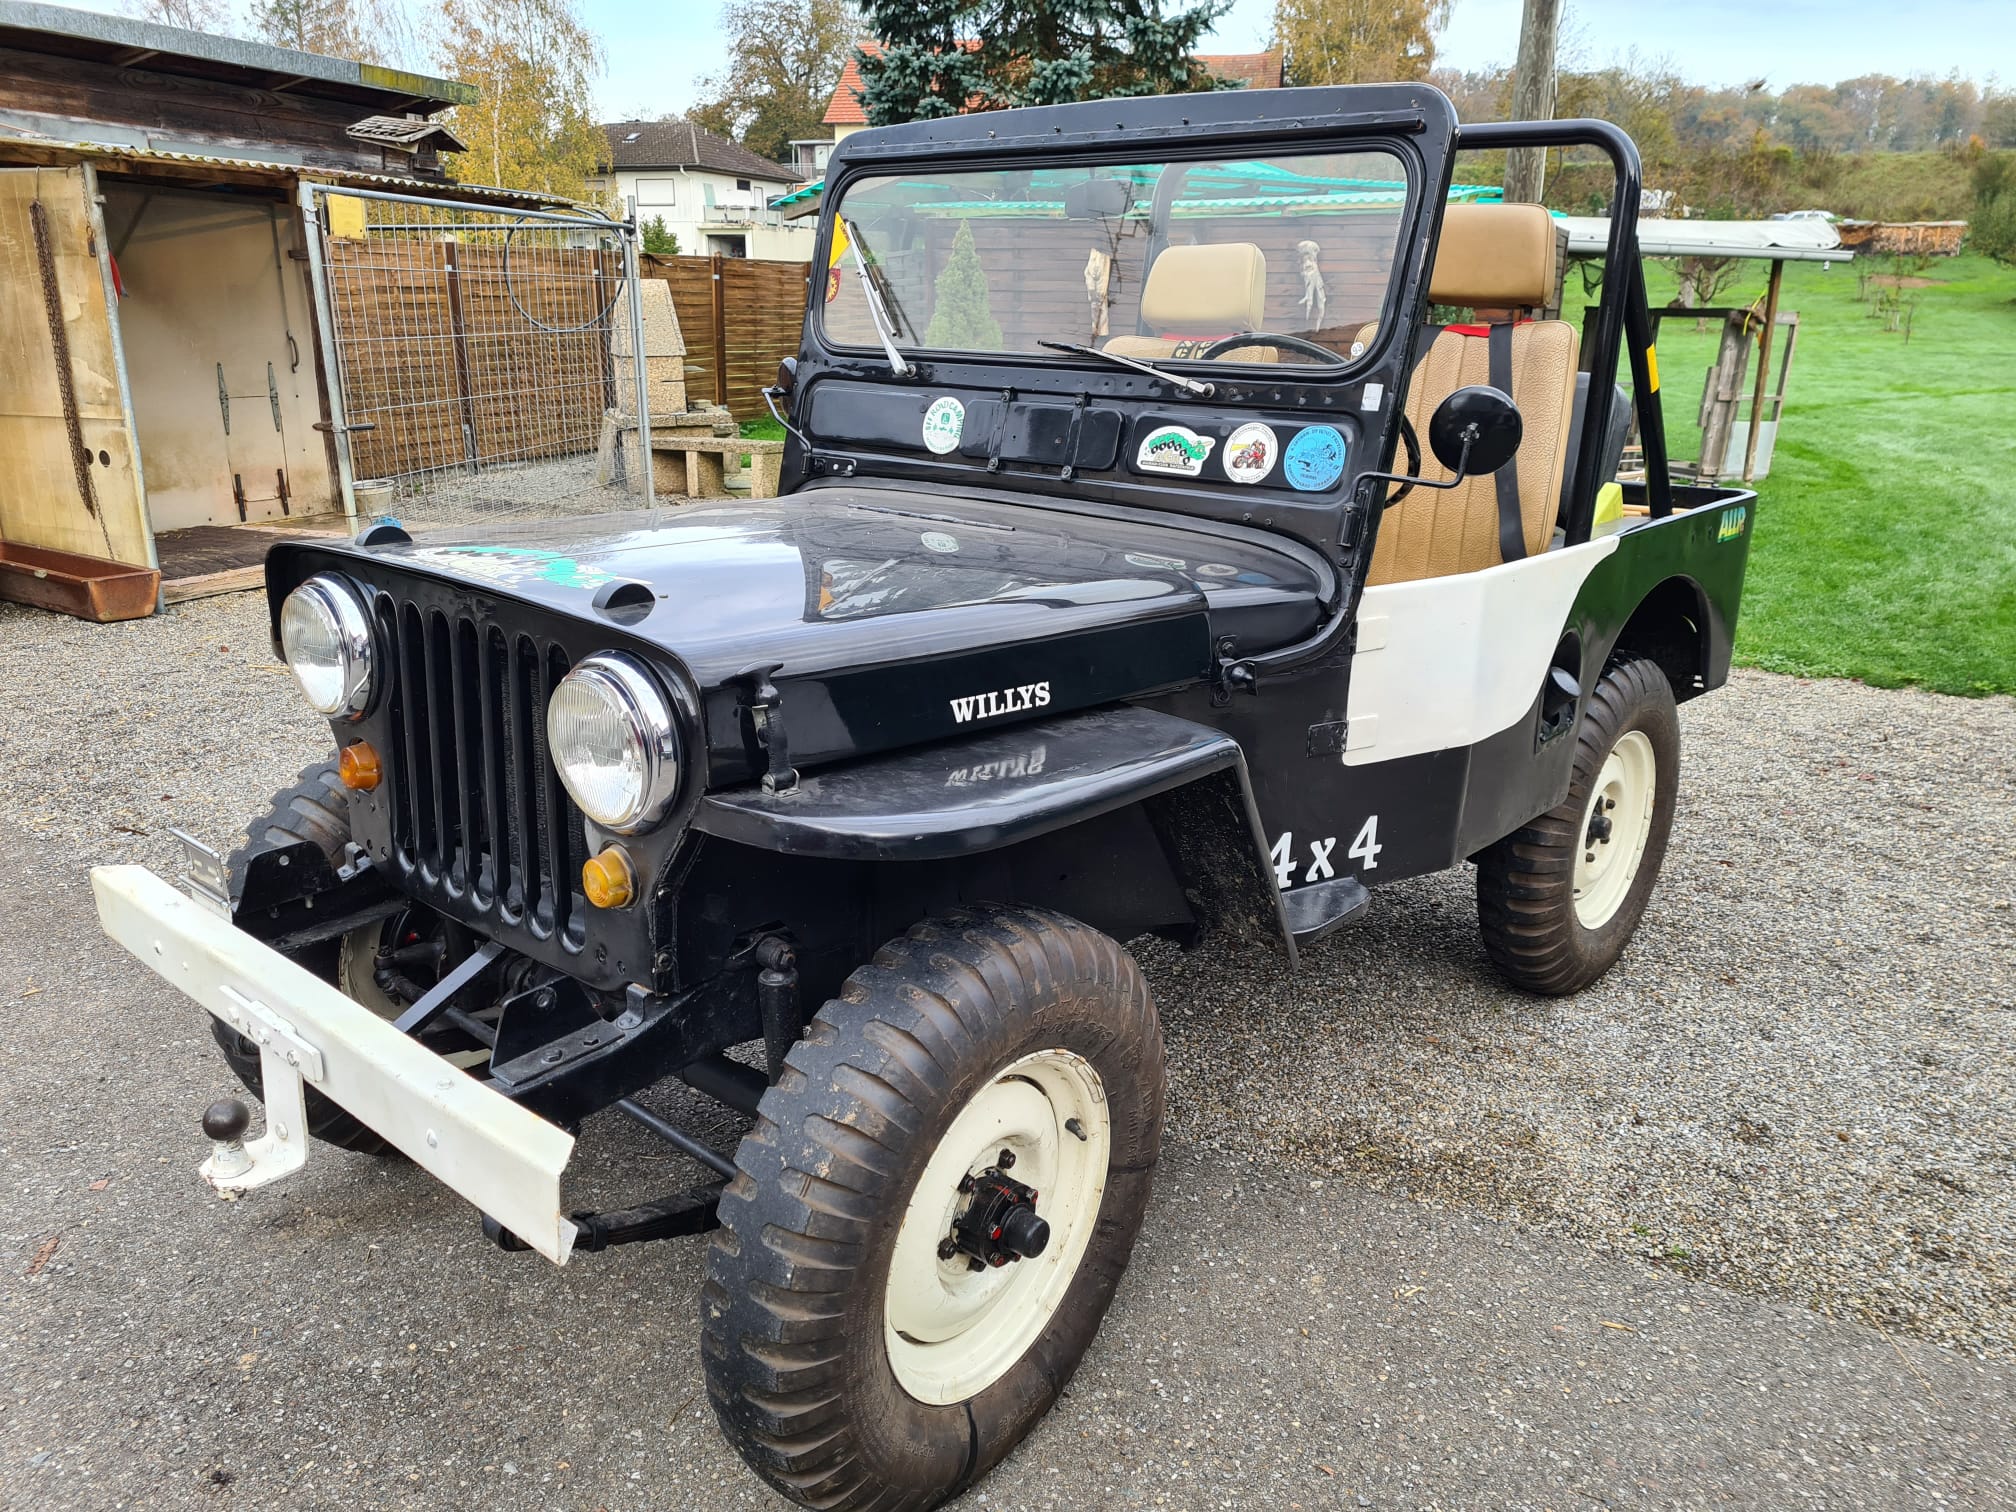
(1885,544)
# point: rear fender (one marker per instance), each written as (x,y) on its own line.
(961,798)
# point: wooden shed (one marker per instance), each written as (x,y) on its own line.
(162,402)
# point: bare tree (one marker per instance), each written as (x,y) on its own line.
(191,15)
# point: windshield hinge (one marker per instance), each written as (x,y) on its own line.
(1232,674)
(766,715)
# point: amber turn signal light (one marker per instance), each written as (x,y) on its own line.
(607,879)
(357,766)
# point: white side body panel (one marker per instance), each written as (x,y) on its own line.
(504,1158)
(1445,662)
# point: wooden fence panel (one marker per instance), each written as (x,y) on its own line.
(755,308)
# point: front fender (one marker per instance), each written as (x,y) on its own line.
(959,798)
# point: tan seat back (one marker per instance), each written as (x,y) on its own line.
(1196,295)
(1497,257)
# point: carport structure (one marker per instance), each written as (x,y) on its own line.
(1775,241)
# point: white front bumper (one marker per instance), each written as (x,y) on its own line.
(500,1156)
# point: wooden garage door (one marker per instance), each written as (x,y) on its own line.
(69,472)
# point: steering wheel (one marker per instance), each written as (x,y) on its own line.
(1232,343)
(1409,440)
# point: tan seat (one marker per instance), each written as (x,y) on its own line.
(1197,295)
(1496,257)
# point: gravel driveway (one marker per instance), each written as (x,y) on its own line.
(1800,1083)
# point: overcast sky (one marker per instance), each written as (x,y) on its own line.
(658,52)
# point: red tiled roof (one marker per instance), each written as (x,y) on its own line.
(1261,70)
(846,109)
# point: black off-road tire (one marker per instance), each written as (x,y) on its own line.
(1526,881)
(316,808)
(793,1306)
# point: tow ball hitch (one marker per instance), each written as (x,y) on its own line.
(999,1223)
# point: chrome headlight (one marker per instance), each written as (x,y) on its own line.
(326,637)
(613,741)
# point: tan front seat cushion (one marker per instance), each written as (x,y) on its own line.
(1200,294)
(1433,532)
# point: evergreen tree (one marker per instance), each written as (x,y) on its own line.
(961,318)
(658,241)
(939,57)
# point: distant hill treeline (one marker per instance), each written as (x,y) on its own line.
(1875,146)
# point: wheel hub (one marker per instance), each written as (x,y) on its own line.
(998,1224)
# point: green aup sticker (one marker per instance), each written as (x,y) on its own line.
(1734,522)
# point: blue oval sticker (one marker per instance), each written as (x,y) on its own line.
(1314,459)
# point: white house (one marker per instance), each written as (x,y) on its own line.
(710,192)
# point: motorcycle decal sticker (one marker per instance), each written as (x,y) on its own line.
(943,423)
(937,540)
(1732,524)
(1161,563)
(1314,459)
(1005,701)
(1250,452)
(1216,569)
(1174,449)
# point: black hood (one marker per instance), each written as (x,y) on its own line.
(882,609)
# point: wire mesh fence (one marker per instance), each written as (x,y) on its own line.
(480,358)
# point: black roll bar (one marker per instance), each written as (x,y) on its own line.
(1621,313)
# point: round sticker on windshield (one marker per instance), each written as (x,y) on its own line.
(1250,452)
(937,540)
(1314,459)
(942,424)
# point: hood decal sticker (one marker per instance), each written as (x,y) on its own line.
(508,566)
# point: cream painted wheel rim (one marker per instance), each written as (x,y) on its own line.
(356,970)
(952,1331)
(1615,827)
(357,979)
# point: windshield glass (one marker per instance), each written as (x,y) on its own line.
(1153,261)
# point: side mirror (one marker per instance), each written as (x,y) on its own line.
(1097,199)
(787,376)
(1475,431)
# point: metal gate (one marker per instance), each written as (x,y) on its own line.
(482,363)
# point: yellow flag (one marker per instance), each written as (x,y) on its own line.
(833,261)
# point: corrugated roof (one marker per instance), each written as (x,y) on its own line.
(25,149)
(676,143)
(1776,241)
(1261,70)
(125,42)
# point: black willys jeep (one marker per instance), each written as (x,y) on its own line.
(1110,594)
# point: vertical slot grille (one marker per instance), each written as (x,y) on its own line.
(477,811)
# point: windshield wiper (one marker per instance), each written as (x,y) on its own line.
(1195,386)
(877,311)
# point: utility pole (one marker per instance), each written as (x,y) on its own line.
(1533,92)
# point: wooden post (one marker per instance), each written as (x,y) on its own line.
(721,330)
(1533,94)
(1763,369)
(459,342)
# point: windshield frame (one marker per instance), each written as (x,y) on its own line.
(1278,140)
